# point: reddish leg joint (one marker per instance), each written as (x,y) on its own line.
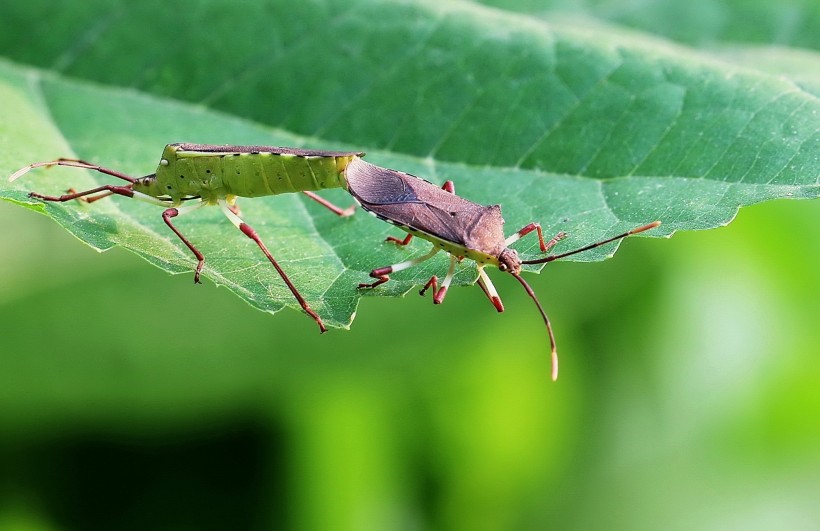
(166,217)
(537,227)
(534,227)
(248,231)
(381,276)
(555,239)
(405,241)
(438,294)
(106,190)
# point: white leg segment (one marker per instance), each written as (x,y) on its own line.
(488,284)
(401,266)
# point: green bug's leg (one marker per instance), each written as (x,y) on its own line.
(248,231)
(108,189)
(342,212)
(174,212)
(440,293)
(92,199)
(536,227)
(382,274)
(489,289)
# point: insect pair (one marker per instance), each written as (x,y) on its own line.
(218,175)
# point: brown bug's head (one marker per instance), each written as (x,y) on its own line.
(509,261)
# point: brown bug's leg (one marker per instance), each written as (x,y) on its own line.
(440,293)
(248,231)
(536,227)
(342,212)
(74,163)
(489,290)
(382,274)
(432,282)
(397,241)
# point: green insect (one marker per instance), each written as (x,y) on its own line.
(218,175)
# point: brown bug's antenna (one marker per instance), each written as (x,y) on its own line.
(553,349)
(554,257)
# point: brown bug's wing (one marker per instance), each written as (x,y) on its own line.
(413,203)
(378,186)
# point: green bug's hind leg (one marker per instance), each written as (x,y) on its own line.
(382,274)
(341,212)
(440,293)
(248,231)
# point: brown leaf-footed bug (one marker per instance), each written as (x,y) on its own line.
(456,225)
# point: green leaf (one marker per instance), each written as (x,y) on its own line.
(590,130)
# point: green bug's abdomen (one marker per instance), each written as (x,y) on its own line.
(249,175)
(214,172)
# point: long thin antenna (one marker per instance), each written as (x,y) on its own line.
(74,163)
(553,349)
(554,257)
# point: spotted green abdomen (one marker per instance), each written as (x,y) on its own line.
(214,172)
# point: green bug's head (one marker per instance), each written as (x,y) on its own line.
(148,185)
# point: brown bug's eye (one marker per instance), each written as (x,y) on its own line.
(502,267)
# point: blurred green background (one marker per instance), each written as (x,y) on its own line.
(688,398)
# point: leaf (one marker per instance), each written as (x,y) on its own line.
(588,131)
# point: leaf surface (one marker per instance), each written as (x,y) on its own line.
(586,129)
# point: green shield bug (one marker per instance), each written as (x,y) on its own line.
(456,225)
(218,175)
